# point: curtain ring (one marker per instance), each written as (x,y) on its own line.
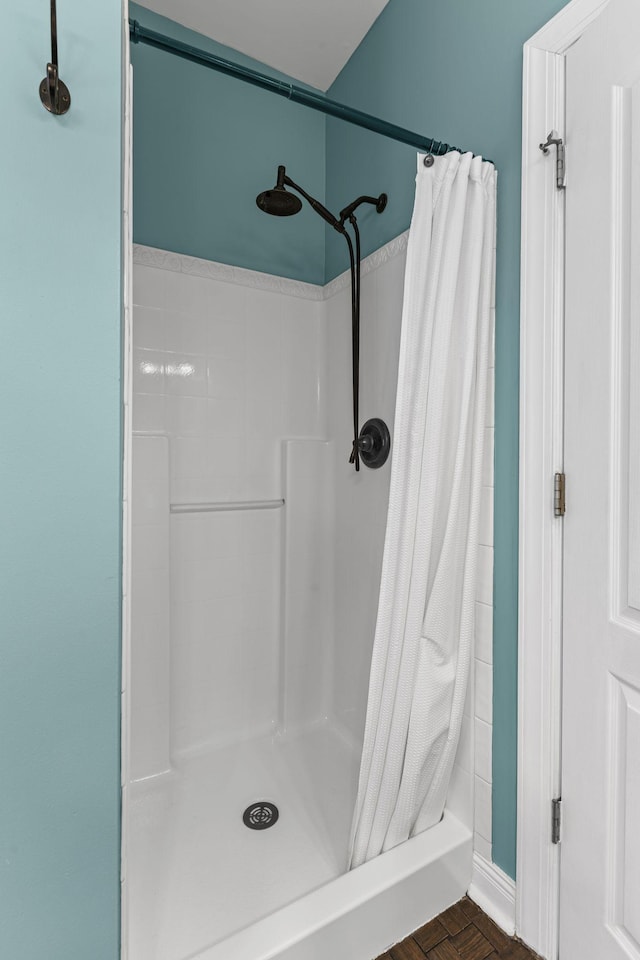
(429,160)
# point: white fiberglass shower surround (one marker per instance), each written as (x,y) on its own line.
(256,561)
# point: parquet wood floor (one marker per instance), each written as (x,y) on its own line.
(463,932)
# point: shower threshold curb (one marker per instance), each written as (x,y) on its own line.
(360,914)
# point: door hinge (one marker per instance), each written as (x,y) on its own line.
(556,820)
(554,140)
(559,495)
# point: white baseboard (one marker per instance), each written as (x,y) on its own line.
(494,892)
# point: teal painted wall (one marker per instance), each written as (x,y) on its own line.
(453,71)
(60,255)
(205,145)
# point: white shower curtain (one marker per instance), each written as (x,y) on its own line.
(424,630)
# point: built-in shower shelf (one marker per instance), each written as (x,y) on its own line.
(226,505)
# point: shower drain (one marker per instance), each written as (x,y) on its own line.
(259,816)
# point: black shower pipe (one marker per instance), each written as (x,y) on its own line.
(316,101)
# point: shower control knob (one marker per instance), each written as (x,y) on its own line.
(374,443)
(365,443)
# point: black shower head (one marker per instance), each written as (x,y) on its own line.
(279,202)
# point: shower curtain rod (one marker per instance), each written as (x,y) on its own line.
(141,34)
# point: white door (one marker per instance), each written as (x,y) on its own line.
(600,852)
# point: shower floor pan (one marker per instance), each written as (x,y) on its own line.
(201,886)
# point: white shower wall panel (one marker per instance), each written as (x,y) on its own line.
(225,370)
(308,621)
(225,626)
(229,370)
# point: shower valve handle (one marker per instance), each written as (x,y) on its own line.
(365,443)
(373,443)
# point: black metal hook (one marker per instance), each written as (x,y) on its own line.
(54,93)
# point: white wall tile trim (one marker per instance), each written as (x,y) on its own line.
(494,892)
(211,270)
(376,259)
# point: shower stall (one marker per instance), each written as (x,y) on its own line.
(254,569)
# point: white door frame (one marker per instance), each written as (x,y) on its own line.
(541,456)
(127,451)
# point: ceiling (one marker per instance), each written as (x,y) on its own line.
(310,40)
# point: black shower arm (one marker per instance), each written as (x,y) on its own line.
(316,205)
(378,202)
